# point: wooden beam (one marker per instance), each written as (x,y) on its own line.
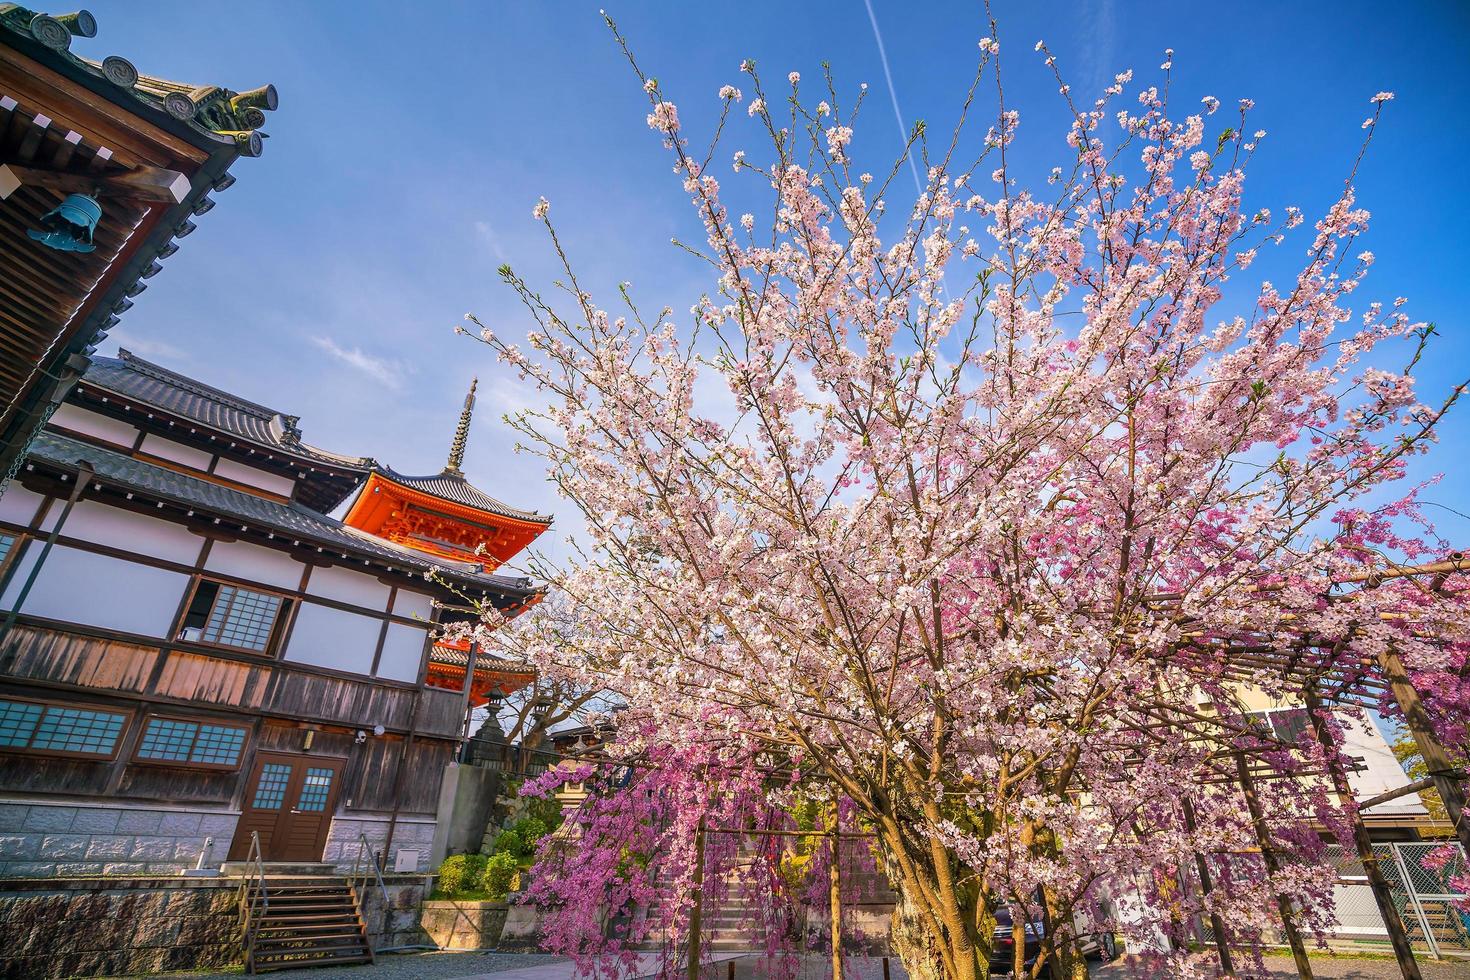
(154,184)
(1418,785)
(100,120)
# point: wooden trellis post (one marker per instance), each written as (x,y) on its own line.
(1382,894)
(1283,904)
(834,879)
(696,897)
(1436,759)
(1217,925)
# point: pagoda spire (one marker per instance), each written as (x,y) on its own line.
(462,431)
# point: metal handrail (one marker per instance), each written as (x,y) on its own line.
(364,848)
(248,916)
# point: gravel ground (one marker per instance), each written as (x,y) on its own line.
(446,966)
(1328,967)
(403,966)
(1324,966)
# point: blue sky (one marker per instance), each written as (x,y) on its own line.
(413,140)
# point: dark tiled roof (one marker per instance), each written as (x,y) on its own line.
(132,377)
(455,488)
(291,519)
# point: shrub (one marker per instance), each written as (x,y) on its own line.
(461,873)
(531,829)
(500,872)
(509,842)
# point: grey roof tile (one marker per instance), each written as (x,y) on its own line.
(454,487)
(284,518)
(130,376)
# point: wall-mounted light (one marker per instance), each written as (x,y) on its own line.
(68,227)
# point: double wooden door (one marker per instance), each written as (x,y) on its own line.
(289,801)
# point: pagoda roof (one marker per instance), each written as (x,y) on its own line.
(131,376)
(140,478)
(453,487)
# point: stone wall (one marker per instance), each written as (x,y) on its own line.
(395,923)
(410,834)
(80,927)
(42,840)
(464,925)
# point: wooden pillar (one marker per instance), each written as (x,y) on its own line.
(467,704)
(1283,904)
(834,881)
(696,897)
(1382,894)
(1217,925)
(1436,760)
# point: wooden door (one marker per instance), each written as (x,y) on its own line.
(289,801)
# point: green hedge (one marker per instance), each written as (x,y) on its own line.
(462,873)
(500,873)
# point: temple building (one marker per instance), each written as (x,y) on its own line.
(193,651)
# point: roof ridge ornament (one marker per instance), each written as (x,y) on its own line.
(462,431)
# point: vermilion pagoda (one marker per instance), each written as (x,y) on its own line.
(446,516)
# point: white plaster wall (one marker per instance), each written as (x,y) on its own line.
(78,419)
(412,604)
(240,473)
(96,590)
(18,505)
(254,564)
(156,445)
(333,638)
(403,649)
(19,571)
(346,585)
(1363,741)
(90,520)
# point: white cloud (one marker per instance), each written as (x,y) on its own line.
(490,239)
(390,373)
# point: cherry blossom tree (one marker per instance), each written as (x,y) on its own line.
(973,514)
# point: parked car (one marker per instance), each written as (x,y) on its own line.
(1094,945)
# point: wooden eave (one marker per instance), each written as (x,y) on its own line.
(56,306)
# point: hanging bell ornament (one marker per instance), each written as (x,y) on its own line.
(68,227)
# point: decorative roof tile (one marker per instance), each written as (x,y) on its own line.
(219,113)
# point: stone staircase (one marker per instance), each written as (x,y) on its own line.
(728,923)
(301,920)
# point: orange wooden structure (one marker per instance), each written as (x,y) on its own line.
(446,516)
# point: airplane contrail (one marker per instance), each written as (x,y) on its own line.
(903,132)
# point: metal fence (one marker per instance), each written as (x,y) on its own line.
(1424,897)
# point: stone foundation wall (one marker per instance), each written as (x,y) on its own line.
(397,922)
(43,840)
(103,928)
(411,834)
(464,925)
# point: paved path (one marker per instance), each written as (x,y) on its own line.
(540,966)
